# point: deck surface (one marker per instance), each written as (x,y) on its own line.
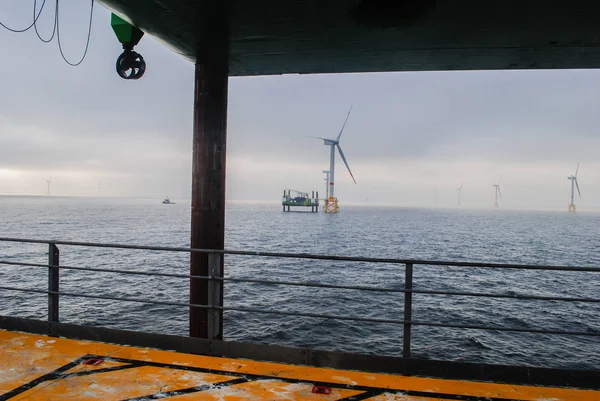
(34,367)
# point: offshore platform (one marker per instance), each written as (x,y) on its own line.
(293,198)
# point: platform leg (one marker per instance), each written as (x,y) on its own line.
(208,162)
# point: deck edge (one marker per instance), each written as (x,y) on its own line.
(523,375)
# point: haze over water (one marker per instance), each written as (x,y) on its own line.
(543,238)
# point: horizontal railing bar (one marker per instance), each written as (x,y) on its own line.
(426,292)
(310,256)
(169,303)
(315,315)
(307,284)
(107,297)
(99,269)
(318,285)
(187,276)
(505,296)
(522,330)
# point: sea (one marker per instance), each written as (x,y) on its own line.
(502,236)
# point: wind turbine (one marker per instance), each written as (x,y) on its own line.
(48,182)
(331,203)
(460,193)
(497,189)
(574,184)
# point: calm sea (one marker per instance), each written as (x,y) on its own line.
(553,238)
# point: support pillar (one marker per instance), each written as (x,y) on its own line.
(208,164)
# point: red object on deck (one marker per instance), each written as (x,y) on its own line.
(93,361)
(321,390)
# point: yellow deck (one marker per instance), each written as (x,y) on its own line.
(34,367)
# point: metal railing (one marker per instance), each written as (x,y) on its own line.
(54,267)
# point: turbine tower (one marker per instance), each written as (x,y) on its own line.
(497,189)
(460,194)
(48,182)
(331,202)
(574,184)
(326,172)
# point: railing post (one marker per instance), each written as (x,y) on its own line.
(215,297)
(53,278)
(408,284)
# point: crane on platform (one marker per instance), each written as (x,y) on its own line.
(331,202)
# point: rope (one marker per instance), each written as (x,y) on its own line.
(35,18)
(55,30)
(87,44)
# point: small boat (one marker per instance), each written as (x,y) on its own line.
(167,201)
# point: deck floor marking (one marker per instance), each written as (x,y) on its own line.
(67,375)
(34,367)
(189,390)
(366,389)
(40,380)
(271,389)
(363,396)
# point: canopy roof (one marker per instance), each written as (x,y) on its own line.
(326,36)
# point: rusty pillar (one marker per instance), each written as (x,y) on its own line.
(208,164)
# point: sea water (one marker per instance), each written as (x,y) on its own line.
(523,237)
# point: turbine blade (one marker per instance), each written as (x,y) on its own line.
(577,170)
(345,121)
(500,192)
(345,162)
(577,185)
(318,137)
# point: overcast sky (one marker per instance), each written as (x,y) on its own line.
(411,139)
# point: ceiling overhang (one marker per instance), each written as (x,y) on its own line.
(269,37)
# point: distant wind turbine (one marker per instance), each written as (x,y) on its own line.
(331,205)
(574,183)
(48,182)
(497,189)
(460,194)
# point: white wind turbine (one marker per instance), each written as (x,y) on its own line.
(460,194)
(497,189)
(331,202)
(48,182)
(574,183)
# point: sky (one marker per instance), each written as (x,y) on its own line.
(411,140)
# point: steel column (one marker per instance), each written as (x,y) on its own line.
(208,163)
(408,285)
(53,278)
(215,296)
